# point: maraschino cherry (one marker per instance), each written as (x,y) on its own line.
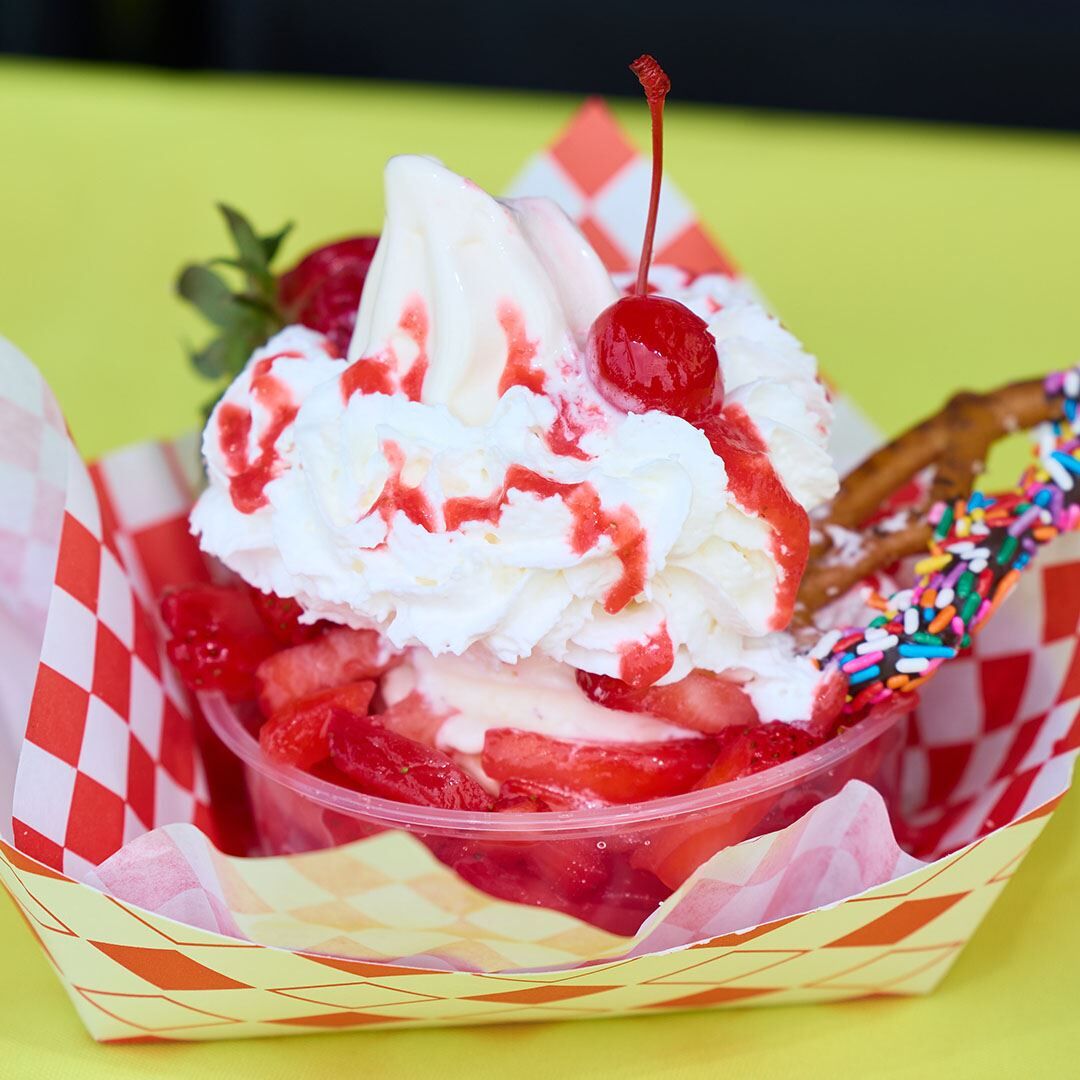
(650,352)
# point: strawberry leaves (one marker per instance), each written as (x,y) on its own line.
(246,312)
(255,253)
(246,302)
(202,287)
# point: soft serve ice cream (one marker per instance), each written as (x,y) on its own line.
(457,482)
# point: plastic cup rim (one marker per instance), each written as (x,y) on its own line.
(227,726)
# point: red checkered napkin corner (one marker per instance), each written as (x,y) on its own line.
(109,748)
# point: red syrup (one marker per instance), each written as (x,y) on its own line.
(369,375)
(590,521)
(631,549)
(414,323)
(376,374)
(520,352)
(247,478)
(396,496)
(755,486)
(564,437)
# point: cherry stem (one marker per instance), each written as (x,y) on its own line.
(656,84)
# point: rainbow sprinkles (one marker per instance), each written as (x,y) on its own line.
(979,548)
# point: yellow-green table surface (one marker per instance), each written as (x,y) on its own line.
(913,259)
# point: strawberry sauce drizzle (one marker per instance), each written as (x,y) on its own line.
(520,352)
(376,374)
(631,549)
(247,478)
(368,375)
(590,522)
(757,489)
(458,511)
(414,323)
(564,438)
(396,496)
(641,663)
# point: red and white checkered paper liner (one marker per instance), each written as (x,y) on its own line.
(110,749)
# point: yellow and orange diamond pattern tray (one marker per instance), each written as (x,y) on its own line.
(136,976)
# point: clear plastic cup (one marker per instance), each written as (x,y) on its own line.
(609,866)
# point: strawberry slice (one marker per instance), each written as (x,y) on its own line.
(591,883)
(323,290)
(218,640)
(674,853)
(339,656)
(520,804)
(611,772)
(414,717)
(575,869)
(566,875)
(829,697)
(344,829)
(381,762)
(297,734)
(499,870)
(281,617)
(550,798)
(748,750)
(631,896)
(702,701)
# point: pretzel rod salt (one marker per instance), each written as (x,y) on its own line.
(978,547)
(954,443)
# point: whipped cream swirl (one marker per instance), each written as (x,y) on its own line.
(458,483)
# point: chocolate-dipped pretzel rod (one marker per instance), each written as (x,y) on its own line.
(954,443)
(977,547)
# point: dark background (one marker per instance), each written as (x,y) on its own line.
(986,61)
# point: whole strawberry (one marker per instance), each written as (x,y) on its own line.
(217,639)
(322,292)
(281,616)
(752,748)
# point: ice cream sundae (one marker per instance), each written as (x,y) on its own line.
(510,535)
